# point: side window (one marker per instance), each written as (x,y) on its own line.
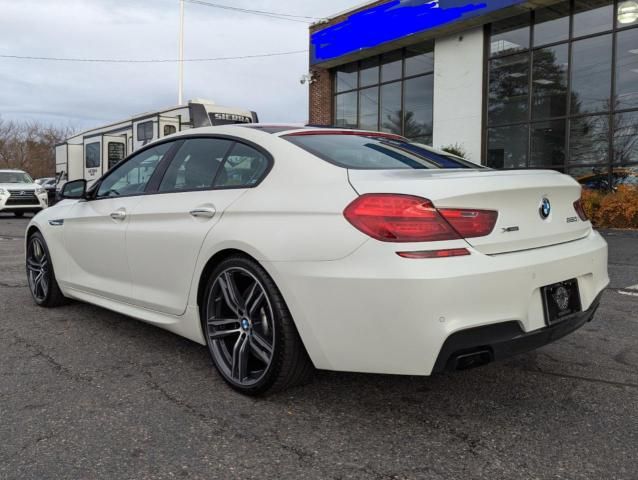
(145,131)
(169,130)
(132,176)
(92,155)
(244,167)
(195,165)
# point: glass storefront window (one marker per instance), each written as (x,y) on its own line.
(551,24)
(589,140)
(507,147)
(574,121)
(509,89)
(347,78)
(549,81)
(391,111)
(592,16)
(346,110)
(627,69)
(418,108)
(394,93)
(369,72)
(591,74)
(510,35)
(419,59)
(626,138)
(369,108)
(548,144)
(391,66)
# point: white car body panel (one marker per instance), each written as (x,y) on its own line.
(165,219)
(357,305)
(509,192)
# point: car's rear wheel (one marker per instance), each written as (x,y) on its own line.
(40,274)
(250,333)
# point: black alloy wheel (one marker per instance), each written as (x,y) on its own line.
(250,333)
(40,275)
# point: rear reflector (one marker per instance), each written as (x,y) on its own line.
(407,218)
(452,252)
(578,206)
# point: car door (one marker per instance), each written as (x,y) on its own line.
(95,230)
(167,229)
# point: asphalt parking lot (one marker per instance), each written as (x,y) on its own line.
(86,393)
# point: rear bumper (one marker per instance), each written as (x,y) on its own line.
(376,312)
(480,345)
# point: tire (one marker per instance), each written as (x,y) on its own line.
(19,214)
(40,274)
(250,333)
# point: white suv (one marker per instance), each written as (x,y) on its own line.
(20,194)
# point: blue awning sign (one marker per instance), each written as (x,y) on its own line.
(394,20)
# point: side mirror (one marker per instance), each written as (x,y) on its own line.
(74,190)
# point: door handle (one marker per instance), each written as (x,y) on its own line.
(118,215)
(203,212)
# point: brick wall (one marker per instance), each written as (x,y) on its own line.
(321,100)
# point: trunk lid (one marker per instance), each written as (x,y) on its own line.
(516,195)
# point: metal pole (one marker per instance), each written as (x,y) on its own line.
(180,87)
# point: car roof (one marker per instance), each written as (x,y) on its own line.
(285,129)
(13,170)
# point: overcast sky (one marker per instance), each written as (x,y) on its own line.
(89,94)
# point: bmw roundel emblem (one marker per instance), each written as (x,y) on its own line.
(545,209)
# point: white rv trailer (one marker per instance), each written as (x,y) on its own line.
(90,154)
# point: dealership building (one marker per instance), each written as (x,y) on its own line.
(516,84)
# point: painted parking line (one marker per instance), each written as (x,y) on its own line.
(631,291)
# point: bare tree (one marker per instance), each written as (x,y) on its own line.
(30,146)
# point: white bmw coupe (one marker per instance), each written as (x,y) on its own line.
(285,249)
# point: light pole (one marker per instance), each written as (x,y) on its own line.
(180,88)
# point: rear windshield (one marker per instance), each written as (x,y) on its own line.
(362,152)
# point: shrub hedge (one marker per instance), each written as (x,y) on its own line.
(617,209)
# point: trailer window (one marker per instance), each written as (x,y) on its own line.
(116,153)
(145,131)
(169,130)
(92,155)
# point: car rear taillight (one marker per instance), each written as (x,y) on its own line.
(398,218)
(470,223)
(578,206)
(406,218)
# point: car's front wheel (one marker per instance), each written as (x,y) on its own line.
(250,333)
(40,274)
